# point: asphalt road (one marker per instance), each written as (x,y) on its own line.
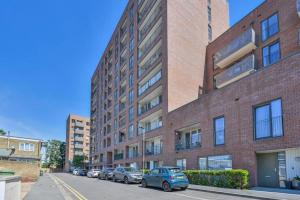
(83,188)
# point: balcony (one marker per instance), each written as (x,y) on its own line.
(78,131)
(143,87)
(79,124)
(153,146)
(150,21)
(78,146)
(79,139)
(156,150)
(149,41)
(132,151)
(236,72)
(150,101)
(150,60)
(151,122)
(118,156)
(238,48)
(188,138)
(78,153)
(298,7)
(144,10)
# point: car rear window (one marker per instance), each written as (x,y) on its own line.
(174,170)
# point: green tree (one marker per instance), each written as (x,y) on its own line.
(78,161)
(2,132)
(55,153)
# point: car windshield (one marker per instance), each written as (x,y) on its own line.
(174,170)
(130,169)
(110,170)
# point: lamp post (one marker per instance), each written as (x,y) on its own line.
(143,146)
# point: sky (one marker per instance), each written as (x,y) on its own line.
(48,53)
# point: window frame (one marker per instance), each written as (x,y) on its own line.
(267,19)
(254,107)
(268,46)
(214,124)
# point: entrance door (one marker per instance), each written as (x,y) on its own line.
(267,166)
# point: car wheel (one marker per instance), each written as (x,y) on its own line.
(114,179)
(126,180)
(166,187)
(106,177)
(144,183)
(183,188)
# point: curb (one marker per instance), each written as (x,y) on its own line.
(233,194)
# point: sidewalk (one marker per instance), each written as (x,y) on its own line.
(255,193)
(45,188)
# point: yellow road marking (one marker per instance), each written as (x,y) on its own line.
(71,189)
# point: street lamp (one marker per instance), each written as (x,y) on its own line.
(143,152)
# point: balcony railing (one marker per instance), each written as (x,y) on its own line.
(181,146)
(154,150)
(153,59)
(152,20)
(79,124)
(80,139)
(298,7)
(150,41)
(118,156)
(146,8)
(150,105)
(79,146)
(236,72)
(78,131)
(78,153)
(239,47)
(132,154)
(150,126)
(149,83)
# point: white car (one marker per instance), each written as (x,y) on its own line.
(75,172)
(93,173)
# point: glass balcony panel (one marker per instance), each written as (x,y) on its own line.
(236,72)
(238,48)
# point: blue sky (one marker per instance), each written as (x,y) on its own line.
(48,52)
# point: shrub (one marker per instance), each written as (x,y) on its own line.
(236,178)
(145,171)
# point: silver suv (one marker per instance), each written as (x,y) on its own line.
(127,175)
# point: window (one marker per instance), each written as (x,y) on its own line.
(209,14)
(223,162)
(271,54)
(131,96)
(116,95)
(131,114)
(131,80)
(131,31)
(269,27)
(116,109)
(131,45)
(131,62)
(130,131)
(219,126)
(181,164)
(26,147)
(209,33)
(195,140)
(115,124)
(268,120)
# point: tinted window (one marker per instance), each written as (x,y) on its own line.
(174,170)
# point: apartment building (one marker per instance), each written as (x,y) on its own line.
(153,64)
(248,114)
(77,139)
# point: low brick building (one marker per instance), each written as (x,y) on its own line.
(248,116)
(21,155)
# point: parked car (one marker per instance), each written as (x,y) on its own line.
(127,175)
(82,172)
(106,173)
(167,178)
(93,173)
(75,172)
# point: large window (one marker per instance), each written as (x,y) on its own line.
(219,129)
(131,62)
(269,27)
(26,147)
(181,164)
(131,96)
(268,120)
(131,80)
(130,131)
(223,162)
(131,114)
(271,54)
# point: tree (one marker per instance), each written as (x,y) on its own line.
(78,161)
(55,153)
(2,132)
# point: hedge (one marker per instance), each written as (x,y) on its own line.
(236,178)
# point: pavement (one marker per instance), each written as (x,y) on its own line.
(58,186)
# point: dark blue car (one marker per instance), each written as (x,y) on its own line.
(167,178)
